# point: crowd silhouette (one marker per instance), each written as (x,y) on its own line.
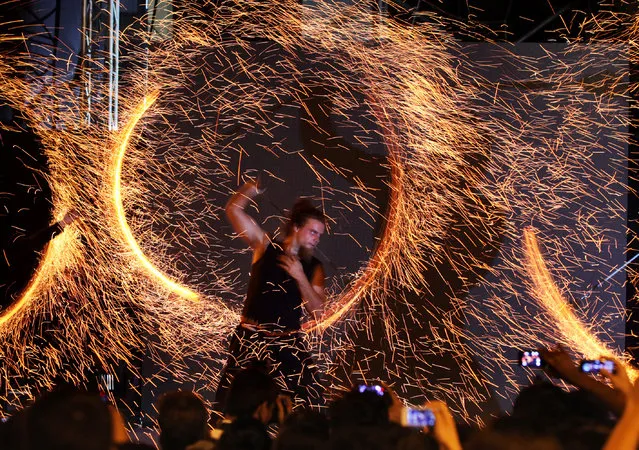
(581,411)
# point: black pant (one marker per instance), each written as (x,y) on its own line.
(288,361)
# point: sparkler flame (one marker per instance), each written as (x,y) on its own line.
(545,290)
(34,284)
(132,244)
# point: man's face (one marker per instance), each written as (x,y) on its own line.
(308,236)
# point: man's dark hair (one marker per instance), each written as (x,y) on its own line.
(541,405)
(303,210)
(182,418)
(249,389)
(67,420)
(12,431)
(587,407)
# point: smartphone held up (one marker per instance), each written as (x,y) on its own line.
(596,365)
(531,358)
(418,417)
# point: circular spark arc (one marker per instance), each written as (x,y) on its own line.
(32,287)
(123,143)
(548,295)
(377,262)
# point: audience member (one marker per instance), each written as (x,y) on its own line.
(303,430)
(367,408)
(12,431)
(136,446)
(625,435)
(490,439)
(245,433)
(68,420)
(252,396)
(370,417)
(445,430)
(544,417)
(561,365)
(183,420)
(253,393)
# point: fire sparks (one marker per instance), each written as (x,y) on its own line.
(120,213)
(445,151)
(578,334)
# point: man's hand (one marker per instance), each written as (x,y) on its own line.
(256,181)
(625,435)
(445,430)
(561,365)
(293,266)
(396,408)
(69,217)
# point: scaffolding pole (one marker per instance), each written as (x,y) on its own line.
(114,62)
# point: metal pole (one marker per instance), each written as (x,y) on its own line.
(114,62)
(87,57)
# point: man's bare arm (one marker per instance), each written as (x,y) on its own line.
(243,224)
(315,297)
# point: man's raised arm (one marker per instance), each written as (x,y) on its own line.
(243,224)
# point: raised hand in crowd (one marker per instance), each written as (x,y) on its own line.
(625,435)
(445,429)
(283,406)
(561,365)
(396,408)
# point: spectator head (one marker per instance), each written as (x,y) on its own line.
(12,431)
(387,437)
(303,430)
(357,408)
(588,424)
(134,446)
(493,440)
(183,420)
(587,407)
(245,433)
(253,393)
(541,404)
(68,420)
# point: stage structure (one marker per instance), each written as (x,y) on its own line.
(101,48)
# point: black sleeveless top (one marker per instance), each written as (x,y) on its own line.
(273,297)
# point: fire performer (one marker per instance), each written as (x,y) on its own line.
(285,277)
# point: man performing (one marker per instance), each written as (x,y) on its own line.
(284,278)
